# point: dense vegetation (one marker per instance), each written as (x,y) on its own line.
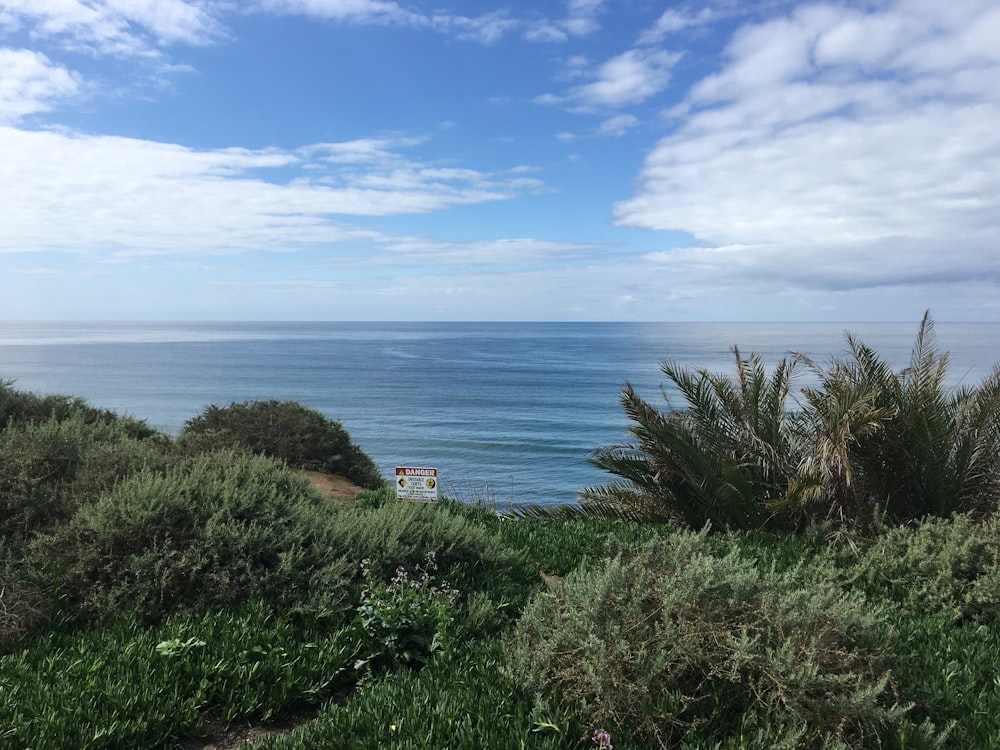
(758,576)
(285,430)
(865,444)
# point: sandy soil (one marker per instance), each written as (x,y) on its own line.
(332,485)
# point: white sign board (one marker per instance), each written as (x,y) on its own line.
(416,484)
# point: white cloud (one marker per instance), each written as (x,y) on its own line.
(839,148)
(546,31)
(486,28)
(30,83)
(628,78)
(108,195)
(120,27)
(518,252)
(674,20)
(618,125)
(580,20)
(381,150)
(354,11)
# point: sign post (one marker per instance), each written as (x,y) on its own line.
(416,484)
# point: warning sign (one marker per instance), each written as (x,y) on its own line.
(416,484)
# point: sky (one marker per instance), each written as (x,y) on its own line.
(500,160)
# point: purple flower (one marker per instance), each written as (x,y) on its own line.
(603,739)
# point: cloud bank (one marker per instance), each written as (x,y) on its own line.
(113,195)
(838,148)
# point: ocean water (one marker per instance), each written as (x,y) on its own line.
(507,412)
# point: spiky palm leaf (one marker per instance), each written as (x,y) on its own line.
(724,459)
(899,443)
(866,441)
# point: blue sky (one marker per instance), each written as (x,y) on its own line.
(499,160)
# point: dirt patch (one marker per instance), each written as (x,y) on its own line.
(552,580)
(332,485)
(222,736)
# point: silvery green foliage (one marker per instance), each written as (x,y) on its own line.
(942,566)
(672,637)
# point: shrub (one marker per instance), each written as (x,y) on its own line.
(408,619)
(285,430)
(223,529)
(54,467)
(866,442)
(671,638)
(372,499)
(23,608)
(403,534)
(951,567)
(557,540)
(22,407)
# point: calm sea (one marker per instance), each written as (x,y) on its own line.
(508,411)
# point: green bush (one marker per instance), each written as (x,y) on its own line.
(225,528)
(726,459)
(557,542)
(898,445)
(375,498)
(407,619)
(24,608)
(22,407)
(674,639)
(942,566)
(285,430)
(51,468)
(468,557)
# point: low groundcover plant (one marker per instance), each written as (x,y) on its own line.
(407,619)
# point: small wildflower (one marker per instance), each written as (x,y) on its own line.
(603,739)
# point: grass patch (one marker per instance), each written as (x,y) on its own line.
(463,700)
(129,686)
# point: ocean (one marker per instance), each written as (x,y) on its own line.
(507,412)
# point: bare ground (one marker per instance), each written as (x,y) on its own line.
(222,736)
(331,485)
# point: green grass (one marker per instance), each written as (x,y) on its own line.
(126,686)
(461,700)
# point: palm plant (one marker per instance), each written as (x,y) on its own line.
(900,444)
(867,442)
(726,459)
